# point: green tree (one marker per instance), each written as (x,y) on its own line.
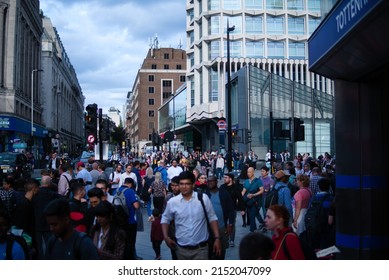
(118,135)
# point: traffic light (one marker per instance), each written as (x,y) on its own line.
(298,130)
(105,132)
(277,129)
(91,123)
(248,135)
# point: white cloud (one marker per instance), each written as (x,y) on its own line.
(106,41)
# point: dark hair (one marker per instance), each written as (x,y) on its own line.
(58,207)
(265,168)
(156,212)
(129,180)
(175,179)
(31,184)
(187,175)
(256,246)
(324,184)
(231,175)
(281,212)
(104,209)
(102,181)
(95,192)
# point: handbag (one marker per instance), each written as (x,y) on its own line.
(211,238)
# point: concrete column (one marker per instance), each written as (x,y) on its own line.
(3,6)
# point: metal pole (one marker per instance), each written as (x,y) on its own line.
(100,117)
(229,125)
(32,105)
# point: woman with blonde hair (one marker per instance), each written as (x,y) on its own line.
(158,190)
(300,203)
(147,180)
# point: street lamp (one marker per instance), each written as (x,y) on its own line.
(229,127)
(32,102)
(58,93)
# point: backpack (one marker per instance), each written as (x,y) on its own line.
(76,244)
(316,217)
(11,238)
(120,200)
(306,247)
(272,196)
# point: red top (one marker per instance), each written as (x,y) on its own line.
(292,244)
(156,230)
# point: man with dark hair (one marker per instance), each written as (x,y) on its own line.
(66,243)
(191,223)
(256,246)
(95,195)
(103,185)
(235,193)
(64,180)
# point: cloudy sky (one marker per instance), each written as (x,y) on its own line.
(107,40)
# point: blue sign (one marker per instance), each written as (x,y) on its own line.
(16,124)
(342,19)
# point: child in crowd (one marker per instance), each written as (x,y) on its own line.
(156,235)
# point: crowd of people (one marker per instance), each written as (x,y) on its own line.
(191,201)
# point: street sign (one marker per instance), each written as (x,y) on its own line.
(91,139)
(222,125)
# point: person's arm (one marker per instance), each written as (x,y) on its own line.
(169,242)
(217,245)
(297,212)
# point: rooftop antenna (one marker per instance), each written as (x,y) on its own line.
(180,44)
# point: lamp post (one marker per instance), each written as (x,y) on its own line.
(229,126)
(58,93)
(32,104)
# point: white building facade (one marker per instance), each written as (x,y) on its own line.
(269,34)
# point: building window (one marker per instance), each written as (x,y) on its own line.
(253,4)
(235,48)
(296,5)
(151,125)
(153,66)
(214,50)
(231,5)
(151,101)
(233,21)
(166,94)
(296,50)
(213,86)
(254,49)
(213,5)
(296,25)
(314,5)
(182,78)
(151,113)
(166,83)
(275,4)
(275,49)
(275,25)
(151,89)
(214,25)
(165,56)
(313,24)
(178,67)
(254,25)
(166,66)
(151,78)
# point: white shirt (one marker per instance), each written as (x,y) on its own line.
(126,175)
(173,171)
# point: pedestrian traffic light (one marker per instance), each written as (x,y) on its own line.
(91,123)
(298,130)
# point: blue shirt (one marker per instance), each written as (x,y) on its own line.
(130,196)
(189,219)
(17,251)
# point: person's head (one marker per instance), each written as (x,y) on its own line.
(196,173)
(158,176)
(102,167)
(77,189)
(57,213)
(46,181)
(128,168)
(250,172)
(316,171)
(95,166)
(281,176)
(303,180)
(256,246)
(80,166)
(95,196)
(324,184)
(175,185)
(228,179)
(202,179)
(149,172)
(8,183)
(118,168)
(62,168)
(264,171)
(129,182)
(174,162)
(307,167)
(103,185)
(187,180)
(277,217)
(289,165)
(212,183)
(104,213)
(32,186)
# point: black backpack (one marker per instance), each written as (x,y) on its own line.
(316,218)
(11,239)
(272,196)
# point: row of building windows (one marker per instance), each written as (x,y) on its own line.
(256,49)
(166,82)
(297,5)
(166,66)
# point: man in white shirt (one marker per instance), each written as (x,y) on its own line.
(173,170)
(64,180)
(128,174)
